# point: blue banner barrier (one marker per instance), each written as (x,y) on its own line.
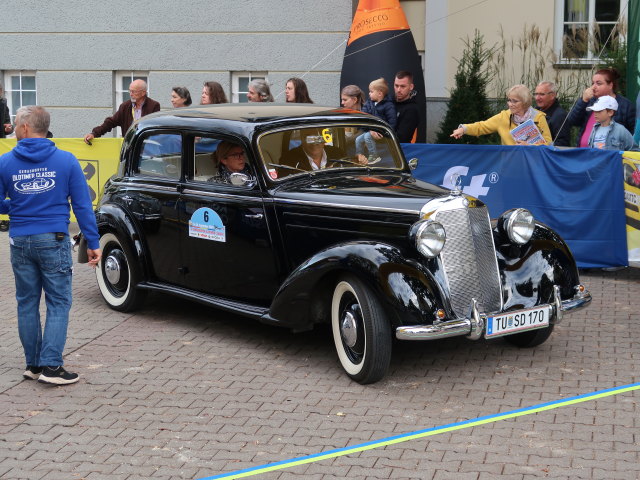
(577,192)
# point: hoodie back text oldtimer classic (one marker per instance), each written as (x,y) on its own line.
(38,178)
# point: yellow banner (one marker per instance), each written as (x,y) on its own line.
(631,172)
(98,161)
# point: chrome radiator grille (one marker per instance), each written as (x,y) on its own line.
(469,259)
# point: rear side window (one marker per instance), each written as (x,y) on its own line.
(160,156)
(219,161)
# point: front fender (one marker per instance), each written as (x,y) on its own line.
(113,218)
(529,272)
(407,290)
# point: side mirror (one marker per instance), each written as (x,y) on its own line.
(171,170)
(413,163)
(240,179)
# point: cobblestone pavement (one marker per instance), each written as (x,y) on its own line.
(181,391)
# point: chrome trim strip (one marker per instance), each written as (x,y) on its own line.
(341,205)
(469,326)
(495,263)
(231,196)
(270,200)
(147,185)
(224,303)
(188,191)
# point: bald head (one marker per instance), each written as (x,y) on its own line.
(138,91)
(138,85)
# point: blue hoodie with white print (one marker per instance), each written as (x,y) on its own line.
(39,180)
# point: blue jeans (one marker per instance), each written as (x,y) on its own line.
(40,262)
(370,142)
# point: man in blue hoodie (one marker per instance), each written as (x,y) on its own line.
(39,179)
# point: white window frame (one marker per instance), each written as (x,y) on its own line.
(590,21)
(240,96)
(9,90)
(121,92)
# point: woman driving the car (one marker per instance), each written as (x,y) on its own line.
(229,158)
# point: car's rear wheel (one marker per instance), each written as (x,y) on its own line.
(361,331)
(529,339)
(118,274)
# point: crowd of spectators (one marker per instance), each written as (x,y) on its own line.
(401,111)
(554,123)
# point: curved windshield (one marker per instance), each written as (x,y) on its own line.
(315,148)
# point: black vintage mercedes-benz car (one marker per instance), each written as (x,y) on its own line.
(272,211)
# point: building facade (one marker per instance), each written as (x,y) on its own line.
(77,58)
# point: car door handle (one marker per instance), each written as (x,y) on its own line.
(257,216)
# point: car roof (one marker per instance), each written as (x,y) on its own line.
(258,112)
(251,114)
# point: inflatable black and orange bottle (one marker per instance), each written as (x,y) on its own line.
(381,44)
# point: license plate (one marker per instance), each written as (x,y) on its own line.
(521,320)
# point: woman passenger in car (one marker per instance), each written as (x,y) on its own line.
(230,158)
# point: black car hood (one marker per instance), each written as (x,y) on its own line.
(386,191)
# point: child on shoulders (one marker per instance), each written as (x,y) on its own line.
(382,107)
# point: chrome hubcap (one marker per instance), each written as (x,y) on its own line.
(348,329)
(112,269)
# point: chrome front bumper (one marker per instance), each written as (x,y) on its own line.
(474,326)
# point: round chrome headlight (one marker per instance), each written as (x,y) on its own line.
(430,237)
(519,225)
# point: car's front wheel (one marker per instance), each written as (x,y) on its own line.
(361,331)
(118,274)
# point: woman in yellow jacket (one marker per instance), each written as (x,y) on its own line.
(519,103)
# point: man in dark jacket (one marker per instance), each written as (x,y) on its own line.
(5,118)
(311,155)
(408,113)
(139,106)
(546,95)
